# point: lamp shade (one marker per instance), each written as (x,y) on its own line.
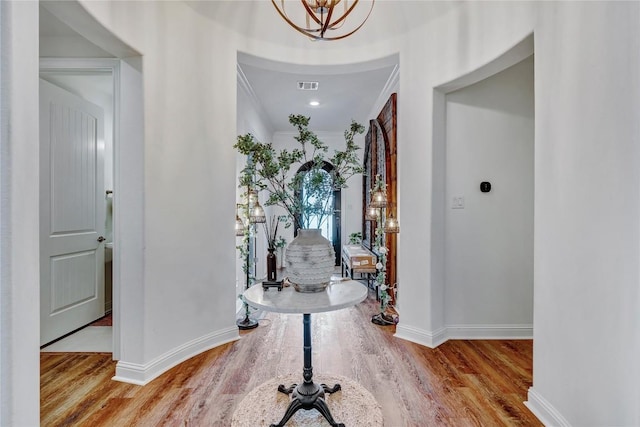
(257,214)
(252,197)
(239,226)
(378,199)
(372,214)
(391,225)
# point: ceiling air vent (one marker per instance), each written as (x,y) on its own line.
(308,85)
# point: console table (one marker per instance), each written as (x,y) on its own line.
(338,295)
(357,259)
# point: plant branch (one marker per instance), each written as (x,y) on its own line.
(302,196)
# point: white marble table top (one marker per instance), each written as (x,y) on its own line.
(338,295)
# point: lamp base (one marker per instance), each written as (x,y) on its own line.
(247,323)
(382,319)
(272,284)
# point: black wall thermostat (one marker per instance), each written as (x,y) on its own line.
(485,187)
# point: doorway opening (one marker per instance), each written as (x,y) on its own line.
(475,219)
(76,182)
(72,42)
(323,203)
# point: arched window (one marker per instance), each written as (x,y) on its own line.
(322,203)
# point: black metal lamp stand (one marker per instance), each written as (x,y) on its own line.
(384,226)
(247,322)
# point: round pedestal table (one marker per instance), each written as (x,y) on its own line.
(338,295)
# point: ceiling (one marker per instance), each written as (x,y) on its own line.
(344,93)
(50,26)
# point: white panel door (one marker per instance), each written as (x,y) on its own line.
(72,212)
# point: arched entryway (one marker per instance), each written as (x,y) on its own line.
(326,211)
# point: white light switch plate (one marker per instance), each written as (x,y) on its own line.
(457,202)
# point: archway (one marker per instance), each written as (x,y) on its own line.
(326,214)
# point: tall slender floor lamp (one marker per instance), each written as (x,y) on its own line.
(376,211)
(254,214)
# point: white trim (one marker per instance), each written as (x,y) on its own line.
(544,411)
(519,52)
(430,339)
(74,15)
(245,86)
(142,374)
(489,332)
(392,84)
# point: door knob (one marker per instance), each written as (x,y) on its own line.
(101,239)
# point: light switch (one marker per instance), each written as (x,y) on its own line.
(457,202)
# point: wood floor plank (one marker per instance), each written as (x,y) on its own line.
(460,383)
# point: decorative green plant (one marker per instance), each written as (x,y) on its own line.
(280,242)
(381,277)
(355,238)
(305,197)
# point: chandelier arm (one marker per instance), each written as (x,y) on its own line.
(292,24)
(283,14)
(310,11)
(349,33)
(327,21)
(344,16)
(310,32)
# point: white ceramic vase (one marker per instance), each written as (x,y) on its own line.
(310,261)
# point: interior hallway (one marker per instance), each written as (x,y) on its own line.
(460,383)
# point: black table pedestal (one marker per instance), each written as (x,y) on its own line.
(307,395)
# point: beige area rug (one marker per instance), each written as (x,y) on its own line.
(265,405)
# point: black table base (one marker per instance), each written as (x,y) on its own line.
(272,284)
(308,395)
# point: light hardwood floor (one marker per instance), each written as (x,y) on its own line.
(460,383)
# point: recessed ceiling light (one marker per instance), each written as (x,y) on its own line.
(314,103)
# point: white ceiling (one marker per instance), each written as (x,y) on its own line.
(58,40)
(345,93)
(50,26)
(259,19)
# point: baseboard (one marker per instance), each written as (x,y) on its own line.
(462,332)
(544,411)
(489,332)
(142,374)
(421,336)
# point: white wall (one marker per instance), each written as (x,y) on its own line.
(451,46)
(19,222)
(587,204)
(189,181)
(587,293)
(489,242)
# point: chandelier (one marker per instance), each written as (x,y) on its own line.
(323,19)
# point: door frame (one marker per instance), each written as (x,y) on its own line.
(101,65)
